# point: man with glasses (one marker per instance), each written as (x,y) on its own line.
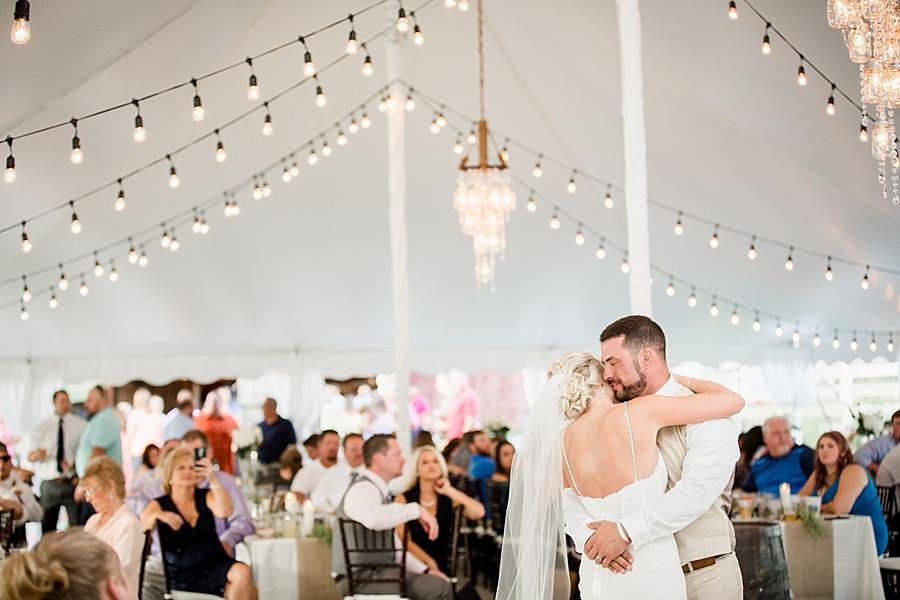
(15,494)
(54,444)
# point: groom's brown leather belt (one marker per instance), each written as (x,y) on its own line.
(700,563)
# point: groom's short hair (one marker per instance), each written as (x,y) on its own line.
(639,331)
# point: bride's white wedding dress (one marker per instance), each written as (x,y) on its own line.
(656,572)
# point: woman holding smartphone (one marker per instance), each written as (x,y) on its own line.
(185,516)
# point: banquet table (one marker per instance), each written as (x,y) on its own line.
(288,568)
(843,564)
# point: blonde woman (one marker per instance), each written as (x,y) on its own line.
(426,483)
(114,523)
(194,557)
(72,565)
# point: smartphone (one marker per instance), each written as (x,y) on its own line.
(199,453)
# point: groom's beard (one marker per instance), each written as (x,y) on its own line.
(633,390)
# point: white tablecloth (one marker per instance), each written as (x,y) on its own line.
(289,568)
(854,561)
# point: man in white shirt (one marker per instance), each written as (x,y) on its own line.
(700,459)
(53,446)
(308,478)
(15,494)
(336,480)
(368,502)
(180,419)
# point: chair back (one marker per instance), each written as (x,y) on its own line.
(371,557)
(7,524)
(145,554)
(498,499)
(888,500)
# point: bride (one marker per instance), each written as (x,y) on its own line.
(584,453)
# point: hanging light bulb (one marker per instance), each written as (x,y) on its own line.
(735,318)
(801,73)
(143,261)
(76,157)
(579,237)
(139,134)
(531,205)
(817,340)
(321,100)
(410,103)
(854,345)
(221,155)
(458,146)
(326,149)
(890,344)
(471,138)
(418,38)
(829,274)
(463,5)
(235,208)
(757,326)
(166,240)
(732,10)
(26,293)
(113,274)
(863,128)
(789,261)
(625,267)
(23,313)
(26,243)
(670,288)
(295,168)
(353,127)
(119,204)
(9,175)
(252,84)
(63,283)
(571,187)
(286,175)
(364,121)
(441,119)
(352,46)
(864,284)
(197,112)
(766,45)
(554,221)
(266,189)
(537,171)
(402,21)
(751,253)
(204,226)
(836,343)
(267,128)
(435,128)
(601,250)
(829,106)
(873,345)
(383,104)
(608,200)
(21,27)
(795,337)
(367,69)
(778,329)
(76,224)
(714,240)
(312,158)
(679,226)
(341,138)
(504,151)
(257,189)
(309,67)
(174,180)
(132,253)
(692,299)
(53,302)
(713,308)
(83,288)
(195,226)
(175,245)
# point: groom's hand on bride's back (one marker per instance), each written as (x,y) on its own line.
(607,548)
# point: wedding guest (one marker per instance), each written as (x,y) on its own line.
(308,478)
(16,494)
(481,465)
(143,426)
(873,452)
(146,485)
(103,435)
(463,455)
(423,438)
(449,453)
(336,480)
(503,458)
(54,444)
(845,487)
(367,502)
(311,446)
(149,459)
(426,484)
(218,428)
(783,460)
(113,522)
(72,565)
(180,419)
(289,463)
(185,519)
(277,432)
(750,444)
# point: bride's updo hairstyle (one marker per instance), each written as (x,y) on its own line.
(63,566)
(582,374)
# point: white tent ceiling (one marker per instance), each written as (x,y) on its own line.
(730,136)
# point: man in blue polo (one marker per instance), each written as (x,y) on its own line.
(783,461)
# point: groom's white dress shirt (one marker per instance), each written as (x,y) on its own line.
(694,507)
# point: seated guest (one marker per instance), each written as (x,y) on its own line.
(749,443)
(336,480)
(782,461)
(277,432)
(426,484)
(311,447)
(145,486)
(503,457)
(449,453)
(459,459)
(185,518)
(72,565)
(873,452)
(367,502)
(845,487)
(289,463)
(113,523)
(16,494)
(308,478)
(180,419)
(149,459)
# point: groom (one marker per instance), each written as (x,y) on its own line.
(700,459)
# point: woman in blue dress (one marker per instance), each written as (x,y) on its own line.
(845,487)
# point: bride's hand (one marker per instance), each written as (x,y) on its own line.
(685,381)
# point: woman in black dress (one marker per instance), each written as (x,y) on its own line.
(427,484)
(194,558)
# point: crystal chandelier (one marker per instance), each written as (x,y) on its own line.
(484,196)
(872,33)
